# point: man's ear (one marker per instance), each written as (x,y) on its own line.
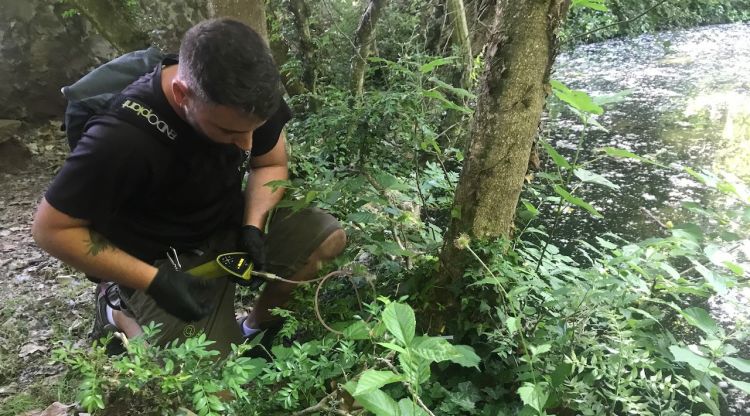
(180,91)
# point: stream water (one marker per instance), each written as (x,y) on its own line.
(688,103)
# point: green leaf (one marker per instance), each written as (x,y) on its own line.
(556,157)
(362,217)
(434,349)
(702,320)
(540,349)
(534,395)
(577,201)
(447,104)
(392,346)
(716,281)
(373,379)
(409,408)
(460,92)
(429,66)
(734,268)
(579,100)
(466,356)
(378,403)
(512,325)
(681,354)
(742,385)
(588,176)
(622,153)
(357,330)
(738,363)
(389,181)
(591,4)
(400,321)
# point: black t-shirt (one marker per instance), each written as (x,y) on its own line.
(146,193)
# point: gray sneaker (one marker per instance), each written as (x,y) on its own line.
(106,293)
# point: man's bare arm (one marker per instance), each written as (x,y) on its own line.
(259,199)
(72,241)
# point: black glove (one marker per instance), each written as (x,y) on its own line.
(177,293)
(252,241)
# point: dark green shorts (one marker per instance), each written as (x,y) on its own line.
(291,239)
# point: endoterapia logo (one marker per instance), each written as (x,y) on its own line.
(150,117)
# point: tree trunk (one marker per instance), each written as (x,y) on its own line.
(301,12)
(363,43)
(116,22)
(518,57)
(250,12)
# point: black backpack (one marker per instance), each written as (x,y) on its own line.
(99,92)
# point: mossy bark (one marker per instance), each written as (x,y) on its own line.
(251,12)
(116,22)
(511,96)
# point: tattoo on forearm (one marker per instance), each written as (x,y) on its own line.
(97,243)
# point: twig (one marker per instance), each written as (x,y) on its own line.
(618,23)
(653,217)
(322,406)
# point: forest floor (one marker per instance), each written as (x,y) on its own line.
(42,301)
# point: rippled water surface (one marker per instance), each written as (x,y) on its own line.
(688,104)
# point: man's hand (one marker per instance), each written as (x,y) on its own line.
(252,241)
(177,293)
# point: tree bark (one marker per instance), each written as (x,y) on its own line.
(115,22)
(301,12)
(250,12)
(364,38)
(518,56)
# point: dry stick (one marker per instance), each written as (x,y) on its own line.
(653,217)
(322,406)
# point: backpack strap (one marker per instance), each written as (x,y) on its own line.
(138,113)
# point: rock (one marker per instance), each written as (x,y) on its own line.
(14,156)
(31,348)
(8,128)
(55,409)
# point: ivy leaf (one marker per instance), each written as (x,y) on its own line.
(738,363)
(577,201)
(702,320)
(372,380)
(400,321)
(534,395)
(378,403)
(588,176)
